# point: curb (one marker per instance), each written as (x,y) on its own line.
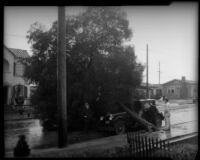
(182,138)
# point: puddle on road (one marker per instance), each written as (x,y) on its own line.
(185,115)
(31,129)
(176,130)
(37,138)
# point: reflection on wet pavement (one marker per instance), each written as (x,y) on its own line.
(32,129)
(184,115)
(177,130)
(37,138)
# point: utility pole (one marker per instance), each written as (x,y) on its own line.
(147,85)
(159,73)
(61,80)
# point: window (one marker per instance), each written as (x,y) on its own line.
(20,90)
(5,66)
(168,90)
(19,69)
(172,91)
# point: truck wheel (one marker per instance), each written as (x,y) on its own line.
(120,127)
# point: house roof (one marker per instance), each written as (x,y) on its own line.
(187,81)
(19,53)
(151,85)
(170,81)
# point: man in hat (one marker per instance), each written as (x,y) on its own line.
(167,115)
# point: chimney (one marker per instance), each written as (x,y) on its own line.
(183,78)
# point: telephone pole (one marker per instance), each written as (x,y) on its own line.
(147,75)
(159,73)
(61,80)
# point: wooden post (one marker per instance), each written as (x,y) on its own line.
(152,145)
(129,142)
(135,145)
(157,144)
(147,149)
(61,80)
(144,147)
(147,83)
(159,73)
(149,142)
(140,147)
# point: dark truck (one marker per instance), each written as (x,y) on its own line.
(123,121)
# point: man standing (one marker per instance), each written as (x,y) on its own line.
(87,115)
(153,112)
(167,114)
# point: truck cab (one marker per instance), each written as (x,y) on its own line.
(121,122)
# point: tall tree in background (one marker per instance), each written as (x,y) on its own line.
(100,70)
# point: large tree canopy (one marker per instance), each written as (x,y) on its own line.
(100,70)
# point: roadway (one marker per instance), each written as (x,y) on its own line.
(38,139)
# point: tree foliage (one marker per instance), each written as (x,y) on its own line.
(100,70)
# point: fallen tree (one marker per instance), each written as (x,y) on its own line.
(140,120)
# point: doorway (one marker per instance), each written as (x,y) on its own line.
(5,94)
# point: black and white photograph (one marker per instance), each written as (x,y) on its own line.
(101,81)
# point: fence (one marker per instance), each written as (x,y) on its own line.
(143,146)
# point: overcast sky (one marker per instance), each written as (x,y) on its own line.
(171,33)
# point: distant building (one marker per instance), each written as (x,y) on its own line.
(14,83)
(180,89)
(155,91)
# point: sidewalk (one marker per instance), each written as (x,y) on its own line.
(173,106)
(176,102)
(102,144)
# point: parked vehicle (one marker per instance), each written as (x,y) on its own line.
(122,121)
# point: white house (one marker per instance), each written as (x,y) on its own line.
(13,70)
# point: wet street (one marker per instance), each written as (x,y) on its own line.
(37,138)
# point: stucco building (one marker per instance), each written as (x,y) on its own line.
(174,89)
(155,91)
(180,89)
(14,83)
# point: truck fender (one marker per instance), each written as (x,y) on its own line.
(119,118)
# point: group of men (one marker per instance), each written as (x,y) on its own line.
(151,114)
